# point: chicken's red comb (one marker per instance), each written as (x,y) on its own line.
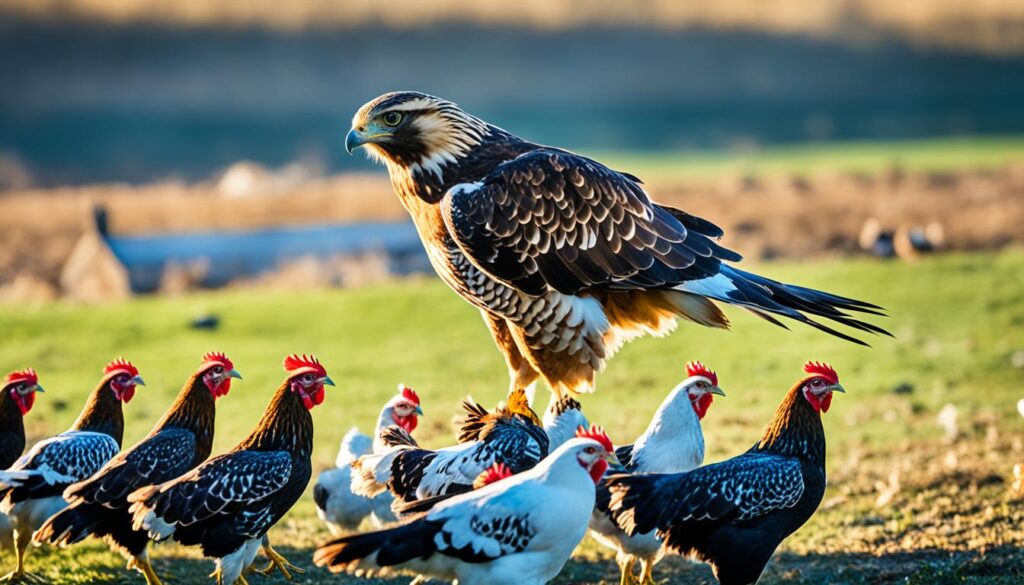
(120,366)
(596,433)
(409,394)
(699,369)
(496,472)
(300,364)
(216,357)
(822,369)
(28,375)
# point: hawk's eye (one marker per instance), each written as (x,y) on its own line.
(392,118)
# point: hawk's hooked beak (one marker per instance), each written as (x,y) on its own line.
(354,140)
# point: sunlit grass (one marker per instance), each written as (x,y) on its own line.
(957,321)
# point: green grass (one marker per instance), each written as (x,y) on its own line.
(957,321)
(936,154)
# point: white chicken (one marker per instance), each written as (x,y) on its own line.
(519,530)
(672,443)
(336,505)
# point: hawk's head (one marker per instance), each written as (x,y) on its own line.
(415,130)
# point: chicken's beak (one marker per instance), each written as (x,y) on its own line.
(354,140)
(138,381)
(234,374)
(612,458)
(837,388)
(419,410)
(717,390)
(39,388)
(326,381)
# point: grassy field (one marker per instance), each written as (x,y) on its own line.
(904,504)
(869,157)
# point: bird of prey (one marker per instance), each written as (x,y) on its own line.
(566,258)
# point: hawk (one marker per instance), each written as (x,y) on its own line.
(565,258)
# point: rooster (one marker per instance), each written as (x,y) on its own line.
(227,505)
(30,490)
(518,530)
(733,514)
(181,440)
(16,398)
(336,505)
(565,258)
(672,443)
(512,435)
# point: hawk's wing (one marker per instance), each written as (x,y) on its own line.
(157,459)
(552,220)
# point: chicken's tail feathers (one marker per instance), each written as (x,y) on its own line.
(69,526)
(144,516)
(369,552)
(766,297)
(634,502)
(353,445)
(371,474)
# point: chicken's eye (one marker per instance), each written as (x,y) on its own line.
(218,370)
(702,384)
(817,383)
(307,378)
(392,118)
(591,450)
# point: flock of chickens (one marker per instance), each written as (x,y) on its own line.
(507,504)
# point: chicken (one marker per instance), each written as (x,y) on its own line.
(30,490)
(16,398)
(672,443)
(519,530)
(181,440)
(512,435)
(227,505)
(336,505)
(562,418)
(733,514)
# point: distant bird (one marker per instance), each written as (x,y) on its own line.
(672,443)
(518,530)
(512,435)
(17,396)
(336,505)
(734,514)
(181,440)
(227,505)
(30,490)
(566,258)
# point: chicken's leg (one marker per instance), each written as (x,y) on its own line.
(141,564)
(22,538)
(647,572)
(626,565)
(277,562)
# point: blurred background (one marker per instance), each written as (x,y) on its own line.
(153,149)
(902,120)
